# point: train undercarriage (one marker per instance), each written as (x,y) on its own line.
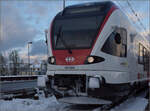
(65,85)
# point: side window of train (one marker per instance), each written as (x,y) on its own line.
(116,44)
(140,55)
(145,58)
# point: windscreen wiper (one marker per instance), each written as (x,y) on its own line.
(59,36)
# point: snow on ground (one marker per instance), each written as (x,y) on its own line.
(43,104)
(133,104)
(51,104)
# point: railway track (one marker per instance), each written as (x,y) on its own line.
(107,107)
(51,104)
(17,86)
(9,87)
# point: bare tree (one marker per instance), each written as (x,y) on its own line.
(2,64)
(14,58)
(2,59)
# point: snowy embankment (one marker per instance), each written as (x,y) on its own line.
(43,104)
(132,104)
(51,104)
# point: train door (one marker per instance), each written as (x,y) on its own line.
(132,55)
(146,61)
(143,61)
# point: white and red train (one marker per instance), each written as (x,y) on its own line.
(95,51)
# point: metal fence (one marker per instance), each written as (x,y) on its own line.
(22,69)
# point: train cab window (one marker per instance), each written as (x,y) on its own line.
(76,33)
(116,44)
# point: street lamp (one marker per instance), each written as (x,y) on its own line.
(29,55)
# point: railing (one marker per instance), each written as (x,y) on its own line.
(14,85)
(21,69)
(19,77)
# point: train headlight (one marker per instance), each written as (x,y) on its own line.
(51,60)
(93,59)
(90,59)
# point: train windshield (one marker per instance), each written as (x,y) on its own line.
(76,31)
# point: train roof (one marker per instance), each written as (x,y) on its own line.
(90,4)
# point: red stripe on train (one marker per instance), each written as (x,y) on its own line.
(79,55)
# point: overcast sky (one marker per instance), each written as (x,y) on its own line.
(25,21)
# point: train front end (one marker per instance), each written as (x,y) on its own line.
(75,67)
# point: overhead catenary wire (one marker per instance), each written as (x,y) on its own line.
(133,11)
(122,8)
